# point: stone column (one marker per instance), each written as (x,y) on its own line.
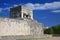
(31,15)
(21,14)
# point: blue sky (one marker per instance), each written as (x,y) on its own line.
(45,11)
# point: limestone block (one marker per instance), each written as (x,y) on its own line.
(12,27)
(20,27)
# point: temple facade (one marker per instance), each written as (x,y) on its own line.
(21,22)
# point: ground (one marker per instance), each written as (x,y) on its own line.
(52,38)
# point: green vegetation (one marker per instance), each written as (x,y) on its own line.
(53,30)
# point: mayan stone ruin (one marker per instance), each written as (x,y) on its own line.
(20,24)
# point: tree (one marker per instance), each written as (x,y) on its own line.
(53,30)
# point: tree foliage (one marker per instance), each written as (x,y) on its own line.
(53,30)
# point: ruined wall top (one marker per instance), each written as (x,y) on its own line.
(21,12)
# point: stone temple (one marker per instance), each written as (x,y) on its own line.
(20,24)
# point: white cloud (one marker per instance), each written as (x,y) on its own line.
(6,8)
(54,5)
(34,6)
(15,5)
(56,11)
(0,9)
(38,6)
(5,4)
(46,27)
(3,9)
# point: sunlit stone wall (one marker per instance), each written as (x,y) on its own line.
(13,27)
(20,27)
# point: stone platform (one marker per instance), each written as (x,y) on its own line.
(27,37)
(21,37)
(10,26)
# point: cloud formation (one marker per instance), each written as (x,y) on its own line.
(3,9)
(46,27)
(56,11)
(0,9)
(37,6)
(15,5)
(6,4)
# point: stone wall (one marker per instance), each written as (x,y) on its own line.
(19,27)
(27,11)
(14,27)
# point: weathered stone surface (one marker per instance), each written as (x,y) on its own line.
(14,27)
(26,37)
(19,27)
(22,26)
